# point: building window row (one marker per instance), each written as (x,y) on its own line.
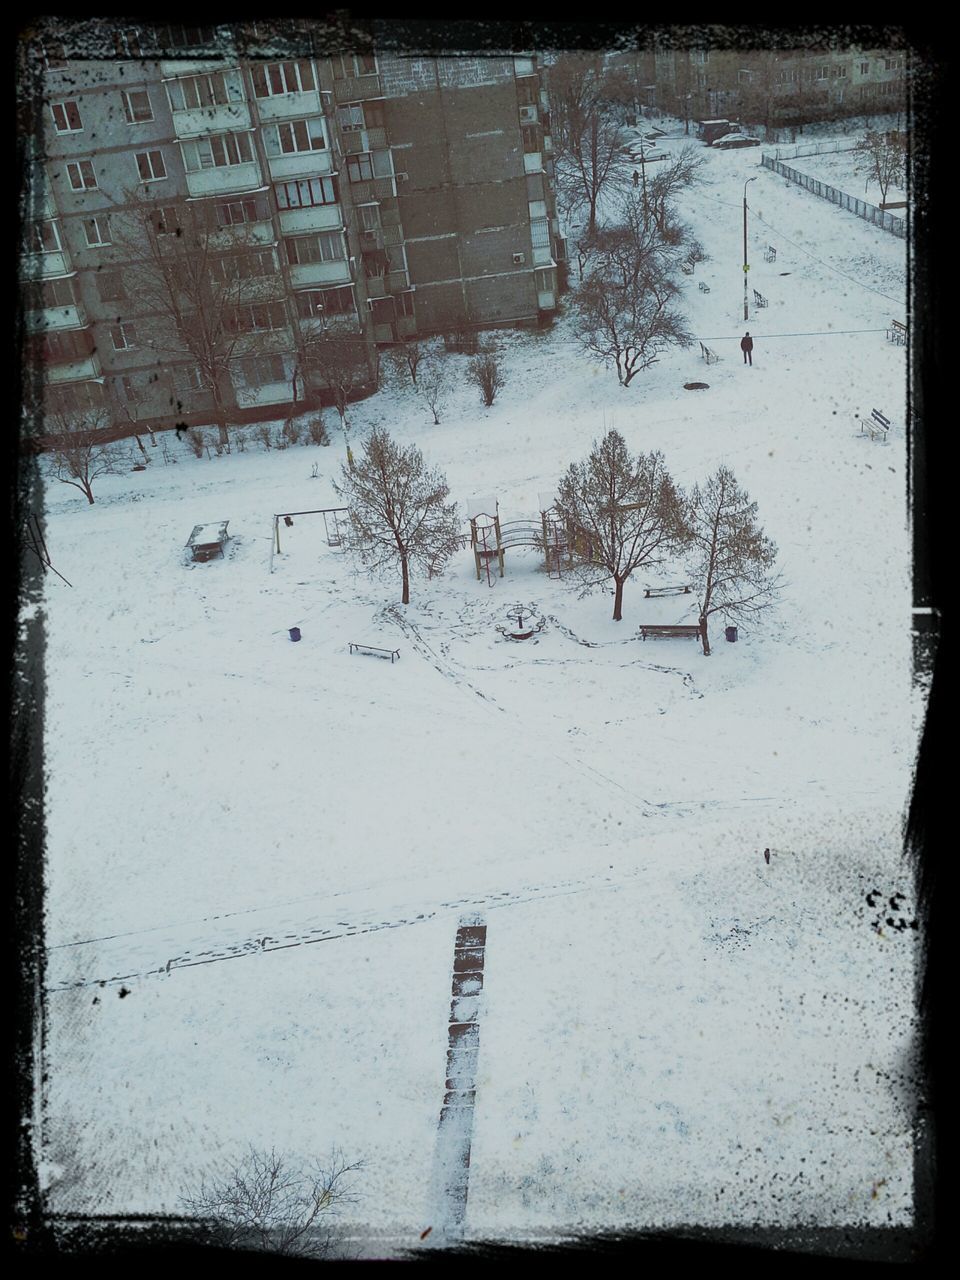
(306,192)
(257,317)
(294,136)
(322,246)
(213,89)
(273,78)
(217,151)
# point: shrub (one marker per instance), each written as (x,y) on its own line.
(317,429)
(196,442)
(486,372)
(264,434)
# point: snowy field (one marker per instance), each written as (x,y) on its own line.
(671,1030)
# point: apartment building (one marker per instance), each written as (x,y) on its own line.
(387,197)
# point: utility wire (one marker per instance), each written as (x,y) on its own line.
(814,333)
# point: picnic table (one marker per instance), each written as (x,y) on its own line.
(207,540)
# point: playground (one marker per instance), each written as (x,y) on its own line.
(668,1021)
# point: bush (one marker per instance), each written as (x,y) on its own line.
(317,429)
(486,372)
(461,339)
(196,442)
(292,431)
(264,435)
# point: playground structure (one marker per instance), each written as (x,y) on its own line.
(332,526)
(490,537)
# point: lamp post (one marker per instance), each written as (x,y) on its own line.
(746,265)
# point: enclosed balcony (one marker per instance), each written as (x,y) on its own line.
(532,162)
(322,217)
(304,274)
(76,370)
(285,106)
(226,179)
(357,88)
(176,68)
(299,164)
(194,123)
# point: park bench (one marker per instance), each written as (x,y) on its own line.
(771,254)
(684,629)
(876,426)
(710,356)
(686,268)
(758,299)
(897,333)
(683,590)
(392,654)
(207,540)
(704,288)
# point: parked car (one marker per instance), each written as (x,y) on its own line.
(733,140)
(648,154)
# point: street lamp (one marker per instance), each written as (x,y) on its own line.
(746,265)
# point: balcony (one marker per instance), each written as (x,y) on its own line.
(317,217)
(304,274)
(225,179)
(358,140)
(202,120)
(406,326)
(372,190)
(357,88)
(546,300)
(300,164)
(532,162)
(50,319)
(283,106)
(41,266)
(392,236)
(172,69)
(376,286)
(243,235)
(547,143)
(397,281)
(542,257)
(78,370)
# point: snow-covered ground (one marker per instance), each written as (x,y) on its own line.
(671,1030)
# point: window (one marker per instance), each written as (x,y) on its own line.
(233,213)
(54,56)
(538,208)
(295,135)
(45,238)
(180,37)
(123,336)
(531,138)
(312,303)
(349,65)
(136,106)
(323,246)
(864,68)
(257,371)
(839,72)
(272,78)
(216,151)
(540,232)
(217,89)
(360,168)
(251,264)
(744,77)
(81,175)
(110,285)
(257,317)
(150,166)
(360,115)
(68,344)
(167,220)
(892,64)
(97,231)
(57,293)
(368,216)
(527,92)
(306,191)
(189,377)
(66,116)
(821,73)
(127,43)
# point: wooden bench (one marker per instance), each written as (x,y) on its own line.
(876,426)
(207,539)
(771,254)
(692,630)
(704,288)
(683,590)
(758,299)
(710,356)
(897,333)
(392,654)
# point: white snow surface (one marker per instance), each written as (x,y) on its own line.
(258,851)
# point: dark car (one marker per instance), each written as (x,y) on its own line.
(733,140)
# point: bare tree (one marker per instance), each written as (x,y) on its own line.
(622,512)
(625,307)
(399,512)
(587,126)
(406,358)
(340,361)
(191,278)
(79,453)
(434,384)
(732,556)
(264,1204)
(675,175)
(881,158)
(485,371)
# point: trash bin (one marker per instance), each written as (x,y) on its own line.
(731,634)
(295,633)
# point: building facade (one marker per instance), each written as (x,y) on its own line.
(388,197)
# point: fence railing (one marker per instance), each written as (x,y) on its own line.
(869,212)
(815,149)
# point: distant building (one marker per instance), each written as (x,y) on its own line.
(393,196)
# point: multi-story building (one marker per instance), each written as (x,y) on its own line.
(390,196)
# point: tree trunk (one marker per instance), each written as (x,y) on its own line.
(88,491)
(705,639)
(406,580)
(618,602)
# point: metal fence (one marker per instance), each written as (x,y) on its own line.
(815,149)
(869,212)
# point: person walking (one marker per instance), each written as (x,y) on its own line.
(636,178)
(746,346)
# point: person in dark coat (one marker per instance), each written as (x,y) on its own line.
(636,178)
(746,346)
